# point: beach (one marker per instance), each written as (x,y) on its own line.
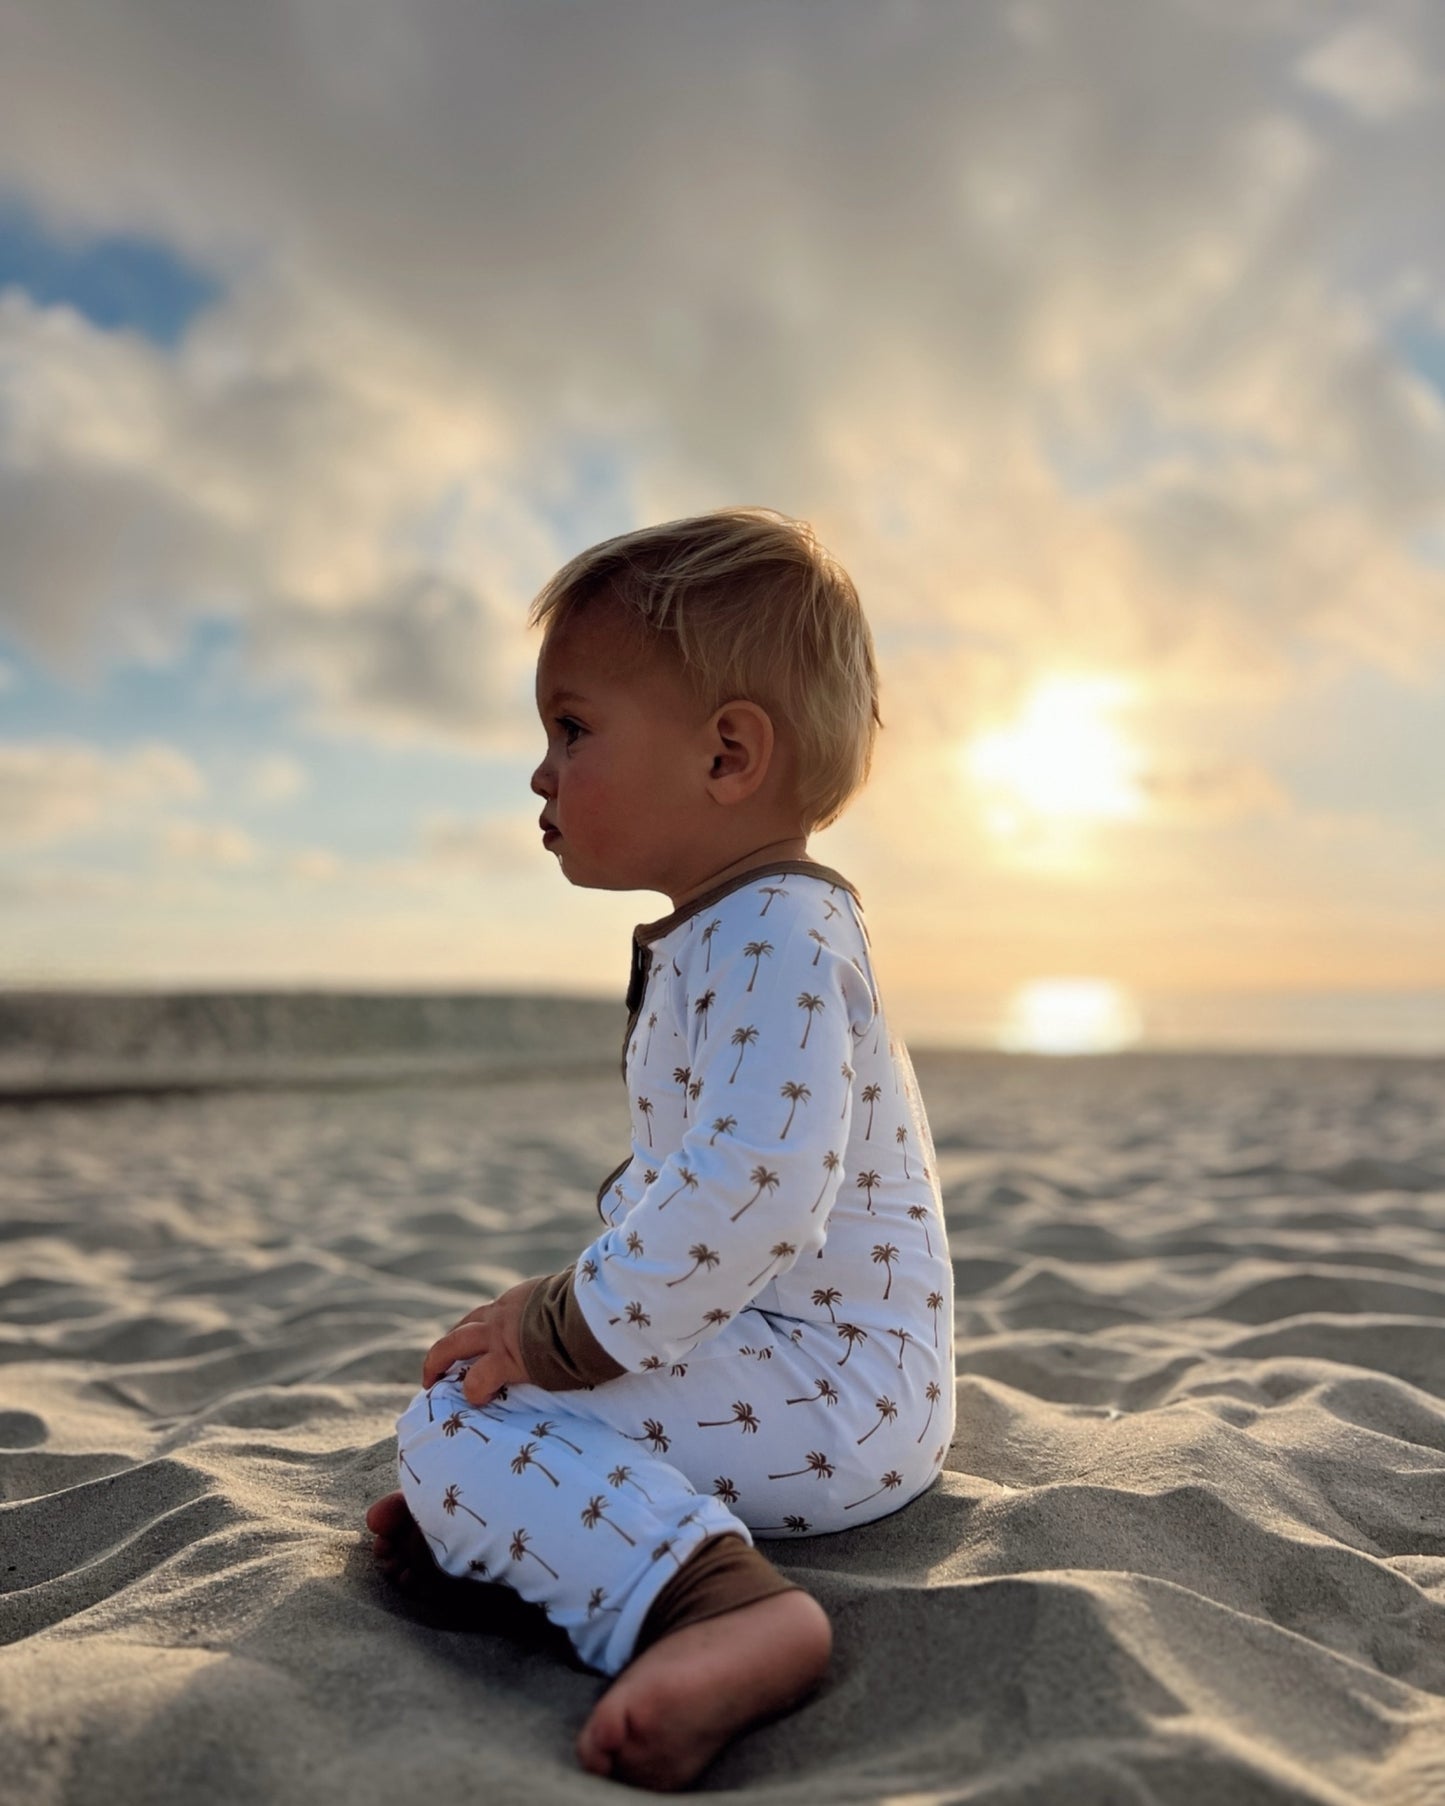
(1189,1545)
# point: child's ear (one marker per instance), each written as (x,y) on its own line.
(742,751)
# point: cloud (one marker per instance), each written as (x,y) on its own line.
(866,267)
(1213,791)
(209,843)
(420,660)
(60,790)
(492,845)
(1368,70)
(275,778)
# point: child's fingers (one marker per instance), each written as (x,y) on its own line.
(460,1344)
(484,1379)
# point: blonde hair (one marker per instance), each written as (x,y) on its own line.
(753,608)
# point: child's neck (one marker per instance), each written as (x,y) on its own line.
(775,851)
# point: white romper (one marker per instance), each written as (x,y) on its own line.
(766,1334)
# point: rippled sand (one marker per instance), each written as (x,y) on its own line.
(1190,1546)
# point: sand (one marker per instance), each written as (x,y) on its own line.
(1190,1545)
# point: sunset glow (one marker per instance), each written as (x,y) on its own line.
(1069,1016)
(1062,759)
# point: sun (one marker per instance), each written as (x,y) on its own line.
(1062,760)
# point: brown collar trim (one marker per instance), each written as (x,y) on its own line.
(647,932)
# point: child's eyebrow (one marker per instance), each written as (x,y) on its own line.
(560,696)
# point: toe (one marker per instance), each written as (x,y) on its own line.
(387,1515)
(600,1738)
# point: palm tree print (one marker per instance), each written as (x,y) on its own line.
(932,1394)
(694,1090)
(830,1166)
(634,1245)
(920,1215)
(765,1181)
(716,1317)
(689,1183)
(587,1269)
(886,1410)
(594,1602)
(935,1304)
(866,1182)
(797,1094)
(680,1076)
(622,1476)
(887,1254)
(401,1456)
(904,1338)
(721,1125)
(807,1001)
(813,935)
(756,951)
(707,935)
(826,1391)
(545,1429)
(665,1548)
(770,891)
(651,1024)
(743,1038)
(743,1414)
(524,1458)
(653,1435)
(779,1251)
(724,1489)
(848,1076)
(519,1548)
(637,1318)
(595,1512)
(900,1135)
(817,1463)
(891,1479)
(850,1333)
(789,1523)
(825,1298)
(456,1422)
(871,1095)
(831,907)
(649,1177)
(645,1106)
(701,1008)
(452,1503)
(702,1256)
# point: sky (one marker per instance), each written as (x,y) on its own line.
(1102,341)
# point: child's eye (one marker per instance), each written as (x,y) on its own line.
(570,728)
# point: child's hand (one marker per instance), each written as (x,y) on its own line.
(490,1337)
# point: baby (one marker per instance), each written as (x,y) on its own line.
(758,1342)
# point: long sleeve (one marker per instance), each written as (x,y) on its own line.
(773,1014)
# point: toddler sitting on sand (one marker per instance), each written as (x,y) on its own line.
(758,1343)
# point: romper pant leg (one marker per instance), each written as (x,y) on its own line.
(589,1502)
(565,1510)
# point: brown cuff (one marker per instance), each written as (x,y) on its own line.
(721,1573)
(558,1348)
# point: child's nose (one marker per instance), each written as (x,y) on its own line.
(541,780)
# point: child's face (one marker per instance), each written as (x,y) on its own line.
(624,777)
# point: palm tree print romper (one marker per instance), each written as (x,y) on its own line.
(760,1340)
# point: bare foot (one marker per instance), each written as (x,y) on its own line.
(398,1543)
(673,1708)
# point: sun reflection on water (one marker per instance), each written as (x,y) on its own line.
(1070,1016)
